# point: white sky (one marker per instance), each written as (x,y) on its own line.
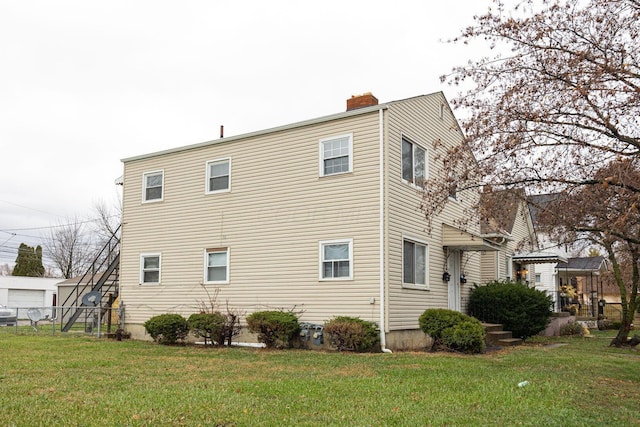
(86,83)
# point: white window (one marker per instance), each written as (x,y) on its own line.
(219,175)
(336,259)
(538,278)
(336,155)
(414,263)
(217,265)
(414,165)
(152,186)
(150,268)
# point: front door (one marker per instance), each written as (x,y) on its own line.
(453,264)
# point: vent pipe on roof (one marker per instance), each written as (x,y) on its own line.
(221,131)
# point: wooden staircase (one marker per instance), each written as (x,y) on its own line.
(497,337)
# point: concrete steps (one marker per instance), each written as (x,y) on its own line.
(496,336)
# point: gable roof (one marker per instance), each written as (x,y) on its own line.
(322,119)
(537,203)
(502,219)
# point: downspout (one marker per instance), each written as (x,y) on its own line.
(381,269)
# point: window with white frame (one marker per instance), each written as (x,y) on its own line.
(336,155)
(152,186)
(217,265)
(414,166)
(336,259)
(150,268)
(219,175)
(414,263)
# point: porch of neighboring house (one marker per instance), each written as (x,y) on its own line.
(585,291)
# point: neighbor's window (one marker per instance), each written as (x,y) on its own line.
(152,183)
(150,268)
(413,162)
(218,175)
(336,259)
(414,262)
(538,278)
(336,155)
(217,265)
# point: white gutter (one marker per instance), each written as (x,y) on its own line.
(383,338)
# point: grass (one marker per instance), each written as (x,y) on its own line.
(66,380)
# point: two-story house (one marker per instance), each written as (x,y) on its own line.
(320,216)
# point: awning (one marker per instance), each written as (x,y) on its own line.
(539,258)
(454,238)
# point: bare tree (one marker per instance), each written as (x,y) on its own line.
(554,115)
(70,247)
(608,217)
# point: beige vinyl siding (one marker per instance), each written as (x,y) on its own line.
(489,265)
(277,211)
(419,119)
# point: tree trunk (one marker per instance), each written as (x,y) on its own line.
(622,338)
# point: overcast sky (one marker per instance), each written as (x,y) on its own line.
(86,83)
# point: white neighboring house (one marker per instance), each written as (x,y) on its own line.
(18,292)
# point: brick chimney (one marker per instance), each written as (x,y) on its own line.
(360,101)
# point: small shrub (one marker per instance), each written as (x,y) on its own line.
(435,320)
(352,334)
(467,336)
(167,328)
(520,309)
(209,326)
(574,328)
(439,323)
(276,329)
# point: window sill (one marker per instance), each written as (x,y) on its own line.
(216,283)
(335,279)
(415,287)
(144,202)
(217,192)
(336,174)
(412,185)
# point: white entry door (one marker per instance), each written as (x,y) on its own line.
(453,264)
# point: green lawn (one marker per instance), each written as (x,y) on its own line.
(66,380)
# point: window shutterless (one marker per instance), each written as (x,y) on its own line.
(219,175)
(152,186)
(336,259)
(336,155)
(150,268)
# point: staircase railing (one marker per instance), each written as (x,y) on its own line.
(101,277)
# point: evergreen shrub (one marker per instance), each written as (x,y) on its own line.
(467,336)
(210,326)
(352,334)
(520,309)
(276,329)
(167,328)
(453,330)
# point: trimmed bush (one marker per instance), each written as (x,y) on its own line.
(574,328)
(520,309)
(352,334)
(452,329)
(276,329)
(467,336)
(167,328)
(435,320)
(210,326)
